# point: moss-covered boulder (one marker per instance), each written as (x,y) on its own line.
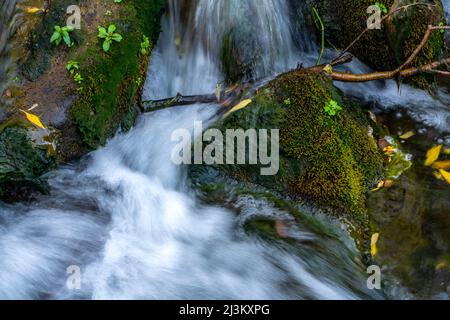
(330,161)
(108,95)
(113,80)
(21,165)
(389,47)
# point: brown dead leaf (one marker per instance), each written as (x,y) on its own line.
(281,229)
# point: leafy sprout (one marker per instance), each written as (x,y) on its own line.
(109,36)
(382,7)
(72,65)
(62,34)
(332,108)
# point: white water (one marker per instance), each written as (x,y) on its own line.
(128,221)
(126,217)
(187,57)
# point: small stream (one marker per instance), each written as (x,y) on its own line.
(125,214)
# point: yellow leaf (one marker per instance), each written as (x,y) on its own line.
(445,175)
(433,155)
(408,135)
(32,10)
(373,244)
(328,69)
(34,119)
(239,106)
(441,165)
(446,151)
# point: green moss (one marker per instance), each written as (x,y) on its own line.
(39,49)
(331,161)
(21,165)
(110,90)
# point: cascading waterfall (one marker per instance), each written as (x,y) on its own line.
(125,216)
(187,59)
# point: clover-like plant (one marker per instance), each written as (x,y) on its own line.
(62,34)
(72,65)
(332,108)
(109,36)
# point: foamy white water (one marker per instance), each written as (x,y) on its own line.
(125,214)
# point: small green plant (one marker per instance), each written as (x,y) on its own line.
(287,101)
(62,34)
(78,78)
(332,108)
(145,45)
(109,36)
(382,7)
(72,65)
(442,24)
(138,81)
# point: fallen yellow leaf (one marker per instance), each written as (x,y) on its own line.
(239,106)
(441,165)
(433,155)
(33,10)
(445,175)
(373,244)
(34,119)
(407,135)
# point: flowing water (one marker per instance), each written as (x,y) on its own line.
(126,216)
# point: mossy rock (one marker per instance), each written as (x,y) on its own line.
(331,161)
(388,48)
(113,80)
(21,165)
(109,94)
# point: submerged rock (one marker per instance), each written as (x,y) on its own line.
(106,98)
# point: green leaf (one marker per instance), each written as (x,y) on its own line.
(67,40)
(55,37)
(106,45)
(102,32)
(116,37)
(111,28)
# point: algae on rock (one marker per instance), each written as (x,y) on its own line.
(21,165)
(329,161)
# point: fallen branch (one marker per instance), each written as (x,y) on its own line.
(400,71)
(178,100)
(388,16)
(385,75)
